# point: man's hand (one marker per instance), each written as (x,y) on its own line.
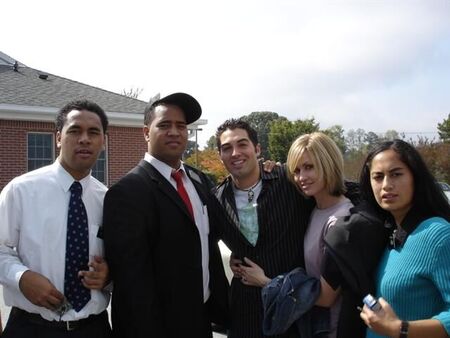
(98,277)
(39,290)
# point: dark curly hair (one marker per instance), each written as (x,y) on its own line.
(93,107)
(234,124)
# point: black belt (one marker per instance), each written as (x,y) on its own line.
(35,318)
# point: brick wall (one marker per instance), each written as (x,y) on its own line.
(13,146)
(126,146)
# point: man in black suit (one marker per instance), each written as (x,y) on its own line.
(269,217)
(160,240)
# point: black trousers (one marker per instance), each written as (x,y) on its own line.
(18,326)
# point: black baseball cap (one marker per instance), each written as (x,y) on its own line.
(188,104)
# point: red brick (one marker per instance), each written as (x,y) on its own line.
(125,147)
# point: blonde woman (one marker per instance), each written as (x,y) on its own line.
(315,165)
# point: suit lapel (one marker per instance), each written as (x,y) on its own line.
(229,204)
(196,180)
(163,185)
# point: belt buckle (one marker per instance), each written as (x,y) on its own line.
(69,327)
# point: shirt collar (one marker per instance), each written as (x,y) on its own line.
(401,232)
(65,179)
(412,219)
(163,168)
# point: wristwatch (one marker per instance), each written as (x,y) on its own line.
(404,329)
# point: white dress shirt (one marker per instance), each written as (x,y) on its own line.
(200,213)
(33,224)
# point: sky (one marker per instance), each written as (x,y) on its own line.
(370,64)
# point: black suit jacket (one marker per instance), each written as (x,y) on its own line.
(153,250)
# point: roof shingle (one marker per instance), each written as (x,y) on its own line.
(24,87)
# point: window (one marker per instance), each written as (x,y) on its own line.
(41,153)
(40,150)
(99,169)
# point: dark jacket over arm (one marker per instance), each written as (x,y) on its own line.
(290,299)
(355,245)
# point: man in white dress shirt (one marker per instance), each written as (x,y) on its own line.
(34,240)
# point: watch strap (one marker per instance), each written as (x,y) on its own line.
(404,327)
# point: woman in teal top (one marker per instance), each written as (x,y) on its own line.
(413,277)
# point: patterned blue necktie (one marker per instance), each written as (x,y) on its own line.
(77,250)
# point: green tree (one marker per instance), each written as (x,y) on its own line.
(444,129)
(261,121)
(336,133)
(355,140)
(391,135)
(371,139)
(284,132)
(190,149)
(357,143)
(211,143)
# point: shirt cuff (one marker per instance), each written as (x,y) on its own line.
(15,274)
(444,318)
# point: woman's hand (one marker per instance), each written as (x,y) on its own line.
(235,266)
(384,322)
(253,274)
(269,165)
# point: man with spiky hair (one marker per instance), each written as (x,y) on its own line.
(269,220)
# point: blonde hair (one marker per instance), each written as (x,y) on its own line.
(326,157)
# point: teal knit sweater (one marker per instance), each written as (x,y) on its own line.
(415,279)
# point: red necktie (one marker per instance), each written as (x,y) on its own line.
(178,177)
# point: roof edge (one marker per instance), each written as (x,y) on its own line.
(48,114)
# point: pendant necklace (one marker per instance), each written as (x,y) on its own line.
(250,192)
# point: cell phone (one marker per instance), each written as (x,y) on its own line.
(372,303)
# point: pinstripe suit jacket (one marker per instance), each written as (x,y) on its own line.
(283,215)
